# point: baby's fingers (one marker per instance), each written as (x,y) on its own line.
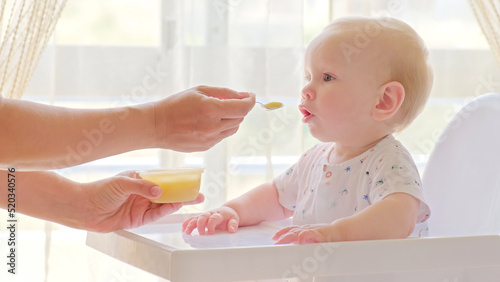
(308,237)
(189,225)
(287,238)
(218,220)
(283,231)
(185,224)
(299,236)
(214,220)
(202,223)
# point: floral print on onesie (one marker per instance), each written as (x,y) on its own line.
(321,192)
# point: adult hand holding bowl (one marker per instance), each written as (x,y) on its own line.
(178,184)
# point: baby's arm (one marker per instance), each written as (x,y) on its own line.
(390,218)
(253,207)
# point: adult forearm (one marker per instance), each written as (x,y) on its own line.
(44,195)
(37,136)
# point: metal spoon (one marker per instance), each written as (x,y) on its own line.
(271,105)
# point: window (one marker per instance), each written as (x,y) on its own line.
(102,50)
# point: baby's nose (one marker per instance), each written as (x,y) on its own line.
(307,93)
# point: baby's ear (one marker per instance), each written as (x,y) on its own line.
(390,98)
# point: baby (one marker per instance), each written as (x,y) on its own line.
(367,78)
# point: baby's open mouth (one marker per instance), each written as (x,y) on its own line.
(304,111)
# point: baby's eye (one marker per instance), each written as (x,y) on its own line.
(307,78)
(327,77)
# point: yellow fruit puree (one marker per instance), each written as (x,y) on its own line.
(178,185)
(274,105)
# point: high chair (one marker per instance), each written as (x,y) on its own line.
(462,177)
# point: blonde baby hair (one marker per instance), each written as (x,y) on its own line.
(409,63)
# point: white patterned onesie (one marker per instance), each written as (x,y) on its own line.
(320,192)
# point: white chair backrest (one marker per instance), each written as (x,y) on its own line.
(461,180)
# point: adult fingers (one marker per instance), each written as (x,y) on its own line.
(231,104)
(160,210)
(128,183)
(236,108)
(129,173)
(230,123)
(221,92)
(199,199)
(227,133)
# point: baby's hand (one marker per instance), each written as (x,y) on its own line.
(305,234)
(224,218)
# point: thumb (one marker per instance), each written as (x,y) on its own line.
(131,183)
(147,189)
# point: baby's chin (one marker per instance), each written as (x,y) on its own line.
(319,134)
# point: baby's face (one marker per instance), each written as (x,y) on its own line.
(341,86)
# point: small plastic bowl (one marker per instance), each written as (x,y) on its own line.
(178,184)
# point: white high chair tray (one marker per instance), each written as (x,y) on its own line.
(162,249)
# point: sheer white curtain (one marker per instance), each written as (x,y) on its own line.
(488,16)
(111,53)
(25,28)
